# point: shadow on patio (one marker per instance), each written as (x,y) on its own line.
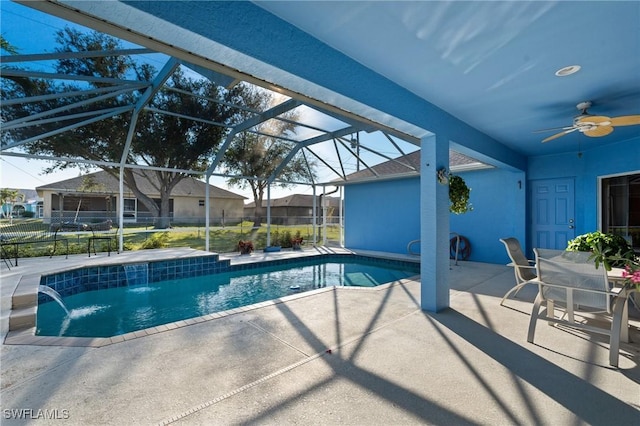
(348,356)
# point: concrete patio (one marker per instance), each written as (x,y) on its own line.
(342,356)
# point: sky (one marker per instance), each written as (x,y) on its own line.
(32,31)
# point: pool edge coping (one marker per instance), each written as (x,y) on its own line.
(27,336)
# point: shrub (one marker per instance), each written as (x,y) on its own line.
(275,238)
(156,240)
(285,240)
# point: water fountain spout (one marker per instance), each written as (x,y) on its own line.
(54,295)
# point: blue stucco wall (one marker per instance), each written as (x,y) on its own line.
(382,216)
(621,157)
(385,215)
(498,197)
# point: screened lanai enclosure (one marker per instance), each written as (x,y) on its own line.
(98,102)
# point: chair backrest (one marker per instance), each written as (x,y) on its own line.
(560,270)
(518,258)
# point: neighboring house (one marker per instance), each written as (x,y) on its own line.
(94,197)
(296,209)
(28,202)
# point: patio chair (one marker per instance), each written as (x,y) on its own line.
(523,268)
(572,281)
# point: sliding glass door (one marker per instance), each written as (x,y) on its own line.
(621,207)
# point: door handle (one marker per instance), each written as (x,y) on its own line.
(571,226)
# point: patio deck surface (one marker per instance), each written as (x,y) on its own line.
(345,356)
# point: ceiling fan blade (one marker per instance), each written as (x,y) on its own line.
(557,135)
(625,120)
(599,131)
(598,120)
(553,128)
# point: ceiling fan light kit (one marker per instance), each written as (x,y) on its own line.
(565,71)
(594,126)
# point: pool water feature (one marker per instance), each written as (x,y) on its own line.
(54,295)
(120,310)
(137,273)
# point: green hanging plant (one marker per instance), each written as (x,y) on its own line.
(459,195)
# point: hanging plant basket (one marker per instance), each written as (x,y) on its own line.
(459,195)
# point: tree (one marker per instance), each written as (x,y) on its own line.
(9,197)
(7,47)
(88,184)
(257,156)
(160,140)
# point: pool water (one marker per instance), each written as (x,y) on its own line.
(115,311)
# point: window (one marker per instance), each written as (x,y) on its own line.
(201,203)
(130,209)
(621,207)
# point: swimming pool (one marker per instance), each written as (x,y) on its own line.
(139,304)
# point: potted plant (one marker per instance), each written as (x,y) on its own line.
(458,191)
(245,247)
(609,249)
(296,242)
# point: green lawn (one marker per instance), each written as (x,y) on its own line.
(222,239)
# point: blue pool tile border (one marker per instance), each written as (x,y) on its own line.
(311,260)
(110,276)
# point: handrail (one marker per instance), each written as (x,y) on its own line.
(418,254)
(409,247)
(457,245)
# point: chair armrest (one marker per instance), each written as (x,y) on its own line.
(521,266)
(616,291)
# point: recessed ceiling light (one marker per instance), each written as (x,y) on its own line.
(565,71)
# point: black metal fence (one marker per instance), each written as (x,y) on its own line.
(224,235)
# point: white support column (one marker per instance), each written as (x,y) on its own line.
(268,215)
(434,225)
(120,210)
(207,215)
(340,216)
(314,216)
(323,206)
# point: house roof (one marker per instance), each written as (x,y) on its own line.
(410,164)
(103,182)
(295,200)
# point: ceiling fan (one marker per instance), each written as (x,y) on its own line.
(593,126)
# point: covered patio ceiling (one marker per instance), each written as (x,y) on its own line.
(490,65)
